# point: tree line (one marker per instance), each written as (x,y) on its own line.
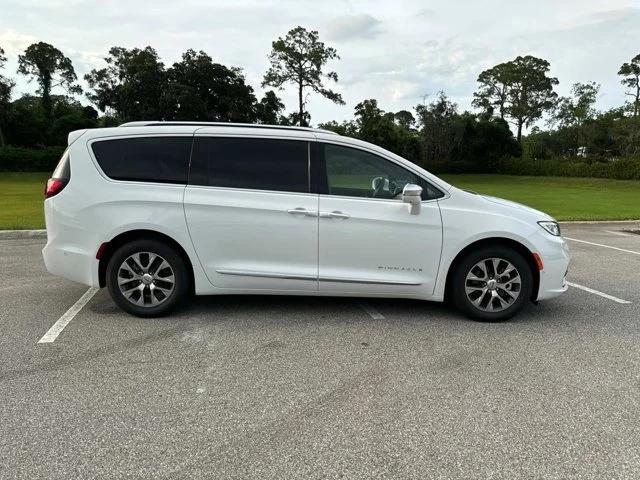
(135,84)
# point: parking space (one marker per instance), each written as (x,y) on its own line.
(299,387)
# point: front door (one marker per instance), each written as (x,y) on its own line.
(369,240)
(251,218)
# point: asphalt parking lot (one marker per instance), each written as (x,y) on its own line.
(282,387)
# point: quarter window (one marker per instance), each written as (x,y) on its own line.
(147,159)
(356,173)
(251,163)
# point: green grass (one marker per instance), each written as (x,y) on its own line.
(561,197)
(564,198)
(21,197)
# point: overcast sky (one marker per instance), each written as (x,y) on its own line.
(394,51)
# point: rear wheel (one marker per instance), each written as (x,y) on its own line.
(147,278)
(492,283)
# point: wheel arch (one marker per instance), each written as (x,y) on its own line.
(493,241)
(141,234)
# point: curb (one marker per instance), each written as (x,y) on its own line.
(594,222)
(17,234)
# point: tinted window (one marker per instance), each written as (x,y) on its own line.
(151,159)
(254,163)
(356,173)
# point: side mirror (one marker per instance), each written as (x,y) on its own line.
(412,194)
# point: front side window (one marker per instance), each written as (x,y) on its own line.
(356,173)
(251,163)
(146,159)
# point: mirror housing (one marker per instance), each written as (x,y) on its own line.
(412,195)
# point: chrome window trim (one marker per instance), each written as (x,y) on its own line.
(250,190)
(106,177)
(367,199)
(444,191)
(308,140)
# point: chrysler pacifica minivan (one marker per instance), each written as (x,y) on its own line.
(156,211)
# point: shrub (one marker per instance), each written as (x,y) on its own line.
(18,159)
(620,169)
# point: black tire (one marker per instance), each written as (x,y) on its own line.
(167,302)
(459,281)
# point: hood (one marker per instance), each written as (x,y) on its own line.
(517,206)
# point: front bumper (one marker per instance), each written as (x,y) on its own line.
(556,258)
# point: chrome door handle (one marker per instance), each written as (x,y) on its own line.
(302,211)
(334,214)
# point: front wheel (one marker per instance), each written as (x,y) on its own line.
(147,278)
(492,283)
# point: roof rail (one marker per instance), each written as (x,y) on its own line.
(151,123)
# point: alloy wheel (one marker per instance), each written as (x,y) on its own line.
(146,279)
(493,284)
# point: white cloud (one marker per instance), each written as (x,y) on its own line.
(395,52)
(14,43)
(353,26)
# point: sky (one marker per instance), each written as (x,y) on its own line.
(399,52)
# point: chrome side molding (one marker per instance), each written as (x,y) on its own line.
(284,276)
(367,281)
(289,276)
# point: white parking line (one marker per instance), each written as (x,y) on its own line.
(622,234)
(373,313)
(601,245)
(64,320)
(596,292)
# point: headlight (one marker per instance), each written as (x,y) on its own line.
(552,227)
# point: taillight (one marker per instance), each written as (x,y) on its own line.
(60,177)
(53,187)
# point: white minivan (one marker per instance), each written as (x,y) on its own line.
(156,211)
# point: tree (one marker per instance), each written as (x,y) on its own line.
(131,85)
(493,93)
(374,125)
(269,108)
(199,89)
(346,128)
(631,73)
(579,107)
(69,114)
(50,68)
(484,143)
(6,86)
(439,130)
(299,59)
(462,142)
(294,118)
(520,89)
(28,125)
(405,119)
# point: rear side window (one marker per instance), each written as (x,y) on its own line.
(148,159)
(251,163)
